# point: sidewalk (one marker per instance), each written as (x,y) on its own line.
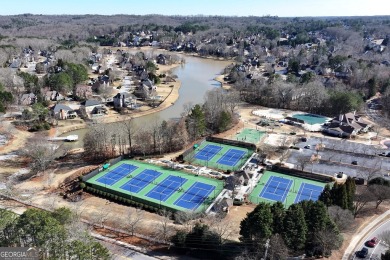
(349,252)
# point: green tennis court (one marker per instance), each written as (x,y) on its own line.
(219,156)
(249,135)
(273,187)
(157,186)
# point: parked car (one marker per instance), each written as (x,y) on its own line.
(307,146)
(362,253)
(354,162)
(372,242)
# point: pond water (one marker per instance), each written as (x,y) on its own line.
(196,76)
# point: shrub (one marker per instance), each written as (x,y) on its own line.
(82,185)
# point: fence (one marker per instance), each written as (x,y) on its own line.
(301,174)
(232,142)
(190,150)
(97,171)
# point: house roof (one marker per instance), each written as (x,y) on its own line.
(29,95)
(89,103)
(57,108)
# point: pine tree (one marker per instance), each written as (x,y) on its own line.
(294,227)
(326,196)
(257,226)
(351,189)
(278,213)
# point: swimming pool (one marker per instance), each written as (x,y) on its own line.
(311,119)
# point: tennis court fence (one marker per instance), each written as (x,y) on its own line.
(97,171)
(236,143)
(190,150)
(302,174)
(139,201)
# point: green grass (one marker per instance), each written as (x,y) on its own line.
(250,135)
(292,193)
(212,163)
(141,195)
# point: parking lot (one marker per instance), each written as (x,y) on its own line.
(353,159)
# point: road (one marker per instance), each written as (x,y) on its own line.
(375,253)
(122,253)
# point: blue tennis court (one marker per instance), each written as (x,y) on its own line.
(140,181)
(208,152)
(276,189)
(194,196)
(308,192)
(116,174)
(166,188)
(231,157)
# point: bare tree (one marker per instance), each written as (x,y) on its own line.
(361,200)
(133,220)
(277,248)
(385,237)
(381,193)
(222,227)
(130,129)
(164,229)
(143,138)
(41,153)
(328,241)
(302,161)
(342,217)
(100,217)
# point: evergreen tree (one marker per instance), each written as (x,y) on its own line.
(326,196)
(278,214)
(196,123)
(294,227)
(351,189)
(339,195)
(386,255)
(257,226)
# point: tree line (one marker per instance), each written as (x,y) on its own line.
(217,114)
(55,234)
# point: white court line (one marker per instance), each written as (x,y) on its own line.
(287,189)
(302,188)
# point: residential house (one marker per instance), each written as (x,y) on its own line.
(124,99)
(223,205)
(15,64)
(347,125)
(243,176)
(83,91)
(52,95)
(28,99)
(63,112)
(95,67)
(161,59)
(94,107)
(376,45)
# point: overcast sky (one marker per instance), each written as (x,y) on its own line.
(290,8)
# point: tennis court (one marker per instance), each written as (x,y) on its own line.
(166,188)
(250,135)
(157,186)
(308,191)
(140,181)
(116,174)
(194,196)
(219,156)
(274,186)
(276,189)
(208,152)
(231,157)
